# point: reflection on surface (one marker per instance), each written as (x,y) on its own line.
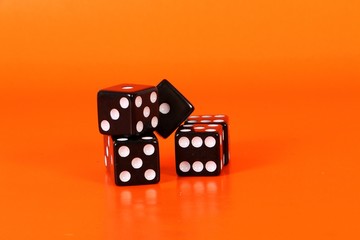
(199,197)
(132,206)
(147,197)
(199,187)
(155,208)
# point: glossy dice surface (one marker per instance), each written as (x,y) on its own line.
(174,108)
(127,109)
(132,161)
(198,150)
(221,119)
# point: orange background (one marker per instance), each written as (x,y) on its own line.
(286,72)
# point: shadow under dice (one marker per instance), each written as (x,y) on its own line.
(127,109)
(199,150)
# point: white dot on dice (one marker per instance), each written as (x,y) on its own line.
(139,126)
(150,174)
(124,151)
(205,121)
(149,149)
(122,139)
(154,122)
(146,112)
(153,97)
(138,101)
(114,114)
(210,166)
(184,166)
(197,142)
(198,166)
(146,138)
(124,102)
(124,176)
(136,163)
(185,130)
(105,125)
(210,130)
(127,87)
(184,142)
(164,108)
(210,142)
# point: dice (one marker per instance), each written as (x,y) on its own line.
(132,160)
(221,119)
(127,110)
(174,108)
(128,115)
(199,150)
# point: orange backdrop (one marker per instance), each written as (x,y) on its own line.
(286,72)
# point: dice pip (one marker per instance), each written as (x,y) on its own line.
(221,119)
(132,160)
(199,150)
(127,110)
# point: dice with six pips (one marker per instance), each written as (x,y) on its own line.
(199,150)
(221,119)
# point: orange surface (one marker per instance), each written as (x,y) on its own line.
(286,72)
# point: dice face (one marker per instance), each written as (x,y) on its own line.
(127,109)
(135,159)
(109,155)
(198,150)
(174,108)
(221,119)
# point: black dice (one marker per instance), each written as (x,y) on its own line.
(199,150)
(221,119)
(133,160)
(174,108)
(128,115)
(127,110)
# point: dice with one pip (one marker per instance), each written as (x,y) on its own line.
(133,160)
(127,110)
(221,119)
(199,150)
(174,108)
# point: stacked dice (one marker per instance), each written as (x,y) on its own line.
(128,115)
